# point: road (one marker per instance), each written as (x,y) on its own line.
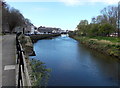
(8,60)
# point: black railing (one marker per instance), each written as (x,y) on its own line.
(23,76)
(19,62)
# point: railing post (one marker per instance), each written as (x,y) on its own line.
(19,76)
(21,60)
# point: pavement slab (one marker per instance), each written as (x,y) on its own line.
(8,60)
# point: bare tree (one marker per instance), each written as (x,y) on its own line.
(5,12)
(119,19)
(11,17)
(27,21)
(110,15)
(15,18)
(93,20)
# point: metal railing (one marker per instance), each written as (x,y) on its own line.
(23,78)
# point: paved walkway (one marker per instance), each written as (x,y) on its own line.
(0,61)
(8,60)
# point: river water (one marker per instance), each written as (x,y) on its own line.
(73,64)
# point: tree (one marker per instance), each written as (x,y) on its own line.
(93,20)
(93,29)
(5,12)
(102,25)
(15,18)
(110,15)
(106,29)
(27,21)
(82,27)
(11,17)
(118,19)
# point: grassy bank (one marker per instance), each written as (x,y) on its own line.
(39,74)
(37,37)
(106,45)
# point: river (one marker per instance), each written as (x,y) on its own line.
(73,64)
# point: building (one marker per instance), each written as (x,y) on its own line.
(48,30)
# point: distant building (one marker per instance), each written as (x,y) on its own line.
(48,30)
(28,29)
(32,29)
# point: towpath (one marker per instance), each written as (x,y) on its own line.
(8,60)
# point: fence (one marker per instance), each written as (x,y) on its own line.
(23,78)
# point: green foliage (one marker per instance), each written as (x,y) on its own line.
(106,29)
(82,27)
(102,25)
(112,39)
(93,30)
(106,45)
(40,73)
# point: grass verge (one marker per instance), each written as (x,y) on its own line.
(106,45)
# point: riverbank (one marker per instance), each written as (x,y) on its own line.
(37,37)
(75,65)
(37,72)
(103,45)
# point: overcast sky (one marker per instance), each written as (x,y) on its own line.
(64,14)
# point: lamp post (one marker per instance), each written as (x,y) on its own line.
(119,19)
